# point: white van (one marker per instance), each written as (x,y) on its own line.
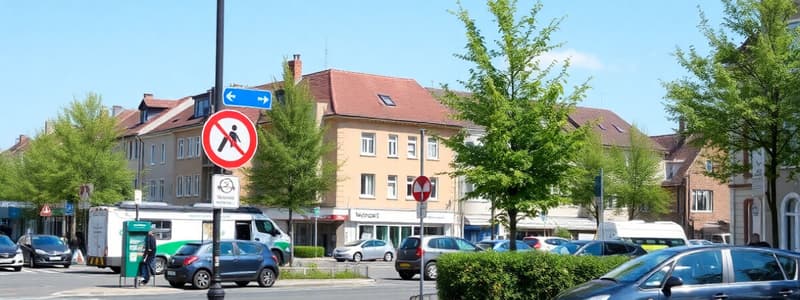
(174,227)
(650,235)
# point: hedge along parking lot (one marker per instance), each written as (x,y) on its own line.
(516,275)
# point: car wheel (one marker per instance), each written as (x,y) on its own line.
(357,257)
(406,275)
(242,283)
(266,278)
(339,259)
(17,269)
(201,279)
(388,256)
(278,255)
(66,266)
(176,284)
(116,270)
(161,265)
(430,271)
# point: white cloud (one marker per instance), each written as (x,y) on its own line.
(577,59)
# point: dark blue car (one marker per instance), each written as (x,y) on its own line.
(239,262)
(699,272)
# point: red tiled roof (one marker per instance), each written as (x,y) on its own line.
(158,103)
(613,130)
(186,117)
(680,150)
(20,146)
(128,121)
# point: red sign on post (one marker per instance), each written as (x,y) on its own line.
(421,189)
(229,139)
(45,212)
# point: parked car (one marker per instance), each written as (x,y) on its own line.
(365,250)
(599,248)
(10,254)
(544,243)
(411,251)
(721,238)
(44,250)
(502,245)
(239,261)
(700,272)
(698,242)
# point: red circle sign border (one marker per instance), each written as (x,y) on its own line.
(423,196)
(251,130)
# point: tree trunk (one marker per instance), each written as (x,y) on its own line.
(491,223)
(773,211)
(291,236)
(512,229)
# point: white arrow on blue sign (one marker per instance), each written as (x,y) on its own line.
(247,98)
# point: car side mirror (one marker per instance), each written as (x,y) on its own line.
(274,232)
(672,281)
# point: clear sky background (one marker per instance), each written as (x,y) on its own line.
(54,51)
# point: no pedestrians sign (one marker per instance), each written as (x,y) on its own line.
(229,139)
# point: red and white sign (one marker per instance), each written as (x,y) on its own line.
(422,189)
(45,212)
(229,139)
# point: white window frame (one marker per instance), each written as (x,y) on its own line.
(411,147)
(367,185)
(163,153)
(189,148)
(197,146)
(391,187)
(179,186)
(151,190)
(392,145)
(410,187)
(434,188)
(433,148)
(789,217)
(197,184)
(152,154)
(161,189)
(368,143)
(708,197)
(180,148)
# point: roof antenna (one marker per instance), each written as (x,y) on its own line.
(325,67)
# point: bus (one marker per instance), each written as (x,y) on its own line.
(174,227)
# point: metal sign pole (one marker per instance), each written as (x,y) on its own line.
(421,217)
(215,291)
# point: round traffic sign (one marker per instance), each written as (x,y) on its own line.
(421,189)
(229,139)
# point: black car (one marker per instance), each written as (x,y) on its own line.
(44,250)
(10,254)
(599,248)
(699,272)
(239,261)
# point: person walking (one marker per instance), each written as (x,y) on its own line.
(756,241)
(146,266)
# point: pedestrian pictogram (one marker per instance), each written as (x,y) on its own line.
(229,139)
(45,212)
(421,189)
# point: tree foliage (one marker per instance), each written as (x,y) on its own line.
(635,178)
(745,94)
(526,152)
(592,157)
(288,169)
(78,149)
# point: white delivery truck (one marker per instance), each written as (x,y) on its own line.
(650,235)
(174,227)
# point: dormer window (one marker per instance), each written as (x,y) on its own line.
(202,107)
(143,116)
(601,126)
(386,100)
(617,128)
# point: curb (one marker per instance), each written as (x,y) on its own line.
(157,290)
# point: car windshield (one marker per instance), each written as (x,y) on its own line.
(6,242)
(410,243)
(187,249)
(567,248)
(45,240)
(486,245)
(353,243)
(633,269)
(651,244)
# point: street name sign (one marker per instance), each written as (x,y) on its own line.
(229,139)
(247,98)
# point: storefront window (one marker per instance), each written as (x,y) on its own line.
(366,232)
(382,233)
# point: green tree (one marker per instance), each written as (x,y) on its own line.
(744,95)
(288,169)
(526,152)
(635,178)
(591,159)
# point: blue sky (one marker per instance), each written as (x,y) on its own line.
(53,51)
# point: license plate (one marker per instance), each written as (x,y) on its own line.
(405,265)
(170,273)
(55,257)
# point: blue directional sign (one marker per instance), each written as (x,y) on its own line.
(247,98)
(69,209)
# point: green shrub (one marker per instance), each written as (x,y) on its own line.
(516,275)
(563,232)
(308,251)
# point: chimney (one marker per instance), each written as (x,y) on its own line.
(116,110)
(296,66)
(49,127)
(147,95)
(22,138)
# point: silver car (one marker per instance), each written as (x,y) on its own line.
(365,250)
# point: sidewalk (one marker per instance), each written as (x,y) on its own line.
(164,289)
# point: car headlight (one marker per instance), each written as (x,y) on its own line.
(599,297)
(41,252)
(68,251)
(19,251)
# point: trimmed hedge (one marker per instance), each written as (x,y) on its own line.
(308,251)
(516,275)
